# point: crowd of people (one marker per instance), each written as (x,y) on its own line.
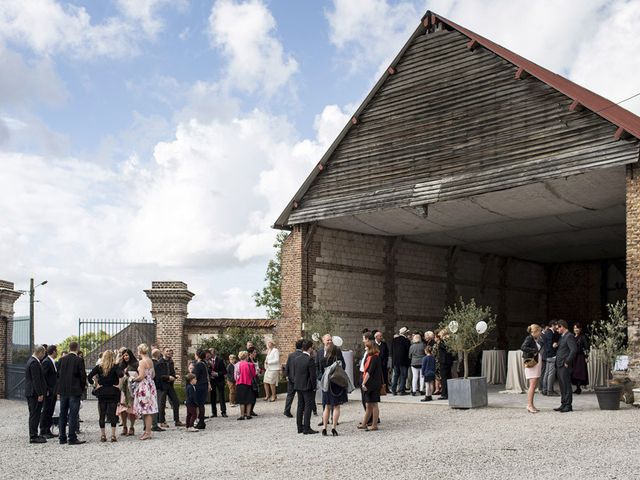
(555,353)
(137,386)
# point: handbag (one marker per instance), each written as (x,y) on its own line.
(339,376)
(531,362)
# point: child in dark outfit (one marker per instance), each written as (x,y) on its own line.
(428,372)
(192,403)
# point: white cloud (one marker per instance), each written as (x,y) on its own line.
(28,83)
(47,28)
(245,32)
(608,61)
(371,32)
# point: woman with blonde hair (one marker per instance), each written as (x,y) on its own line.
(145,402)
(416,354)
(532,362)
(272,371)
(106,378)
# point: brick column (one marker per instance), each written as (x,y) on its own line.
(293,291)
(633,269)
(169,302)
(8,297)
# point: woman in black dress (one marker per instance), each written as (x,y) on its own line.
(371,384)
(580,375)
(107,376)
(335,394)
(202,385)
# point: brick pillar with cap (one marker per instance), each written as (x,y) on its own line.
(169,302)
(8,297)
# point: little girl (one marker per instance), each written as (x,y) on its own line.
(192,403)
(428,372)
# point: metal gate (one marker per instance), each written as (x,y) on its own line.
(19,352)
(97,335)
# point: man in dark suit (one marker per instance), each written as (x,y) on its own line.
(35,389)
(384,356)
(50,372)
(217,372)
(160,370)
(400,359)
(168,385)
(72,380)
(567,350)
(305,380)
(289,372)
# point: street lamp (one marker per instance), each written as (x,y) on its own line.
(32,292)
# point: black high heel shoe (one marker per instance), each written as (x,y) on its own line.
(334,432)
(324,432)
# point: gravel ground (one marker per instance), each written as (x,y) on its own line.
(414,441)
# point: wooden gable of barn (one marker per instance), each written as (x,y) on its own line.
(457,115)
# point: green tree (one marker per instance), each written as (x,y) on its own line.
(234,340)
(317,322)
(87,342)
(460,323)
(609,337)
(270,296)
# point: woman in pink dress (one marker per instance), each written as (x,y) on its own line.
(531,352)
(145,402)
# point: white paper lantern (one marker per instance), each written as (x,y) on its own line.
(481,327)
(453,326)
(337,341)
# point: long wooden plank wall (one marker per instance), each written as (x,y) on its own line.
(452,123)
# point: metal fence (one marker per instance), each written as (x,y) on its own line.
(97,335)
(20,351)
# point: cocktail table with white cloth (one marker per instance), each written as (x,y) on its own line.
(516,381)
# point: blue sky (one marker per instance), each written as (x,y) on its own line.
(147,140)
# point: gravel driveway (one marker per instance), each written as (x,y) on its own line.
(414,442)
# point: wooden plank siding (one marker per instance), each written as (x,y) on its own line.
(452,123)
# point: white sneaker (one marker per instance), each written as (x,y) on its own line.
(192,429)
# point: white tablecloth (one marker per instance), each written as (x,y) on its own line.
(516,382)
(597,369)
(494,366)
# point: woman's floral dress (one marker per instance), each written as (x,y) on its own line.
(145,400)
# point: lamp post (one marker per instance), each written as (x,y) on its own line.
(32,292)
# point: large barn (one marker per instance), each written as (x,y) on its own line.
(468,171)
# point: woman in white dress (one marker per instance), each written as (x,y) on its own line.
(533,362)
(272,371)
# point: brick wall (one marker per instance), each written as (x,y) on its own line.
(369,281)
(575,292)
(633,268)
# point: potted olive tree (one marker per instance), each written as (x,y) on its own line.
(608,340)
(465,327)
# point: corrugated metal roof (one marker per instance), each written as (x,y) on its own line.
(360,149)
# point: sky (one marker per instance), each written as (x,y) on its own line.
(147,140)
